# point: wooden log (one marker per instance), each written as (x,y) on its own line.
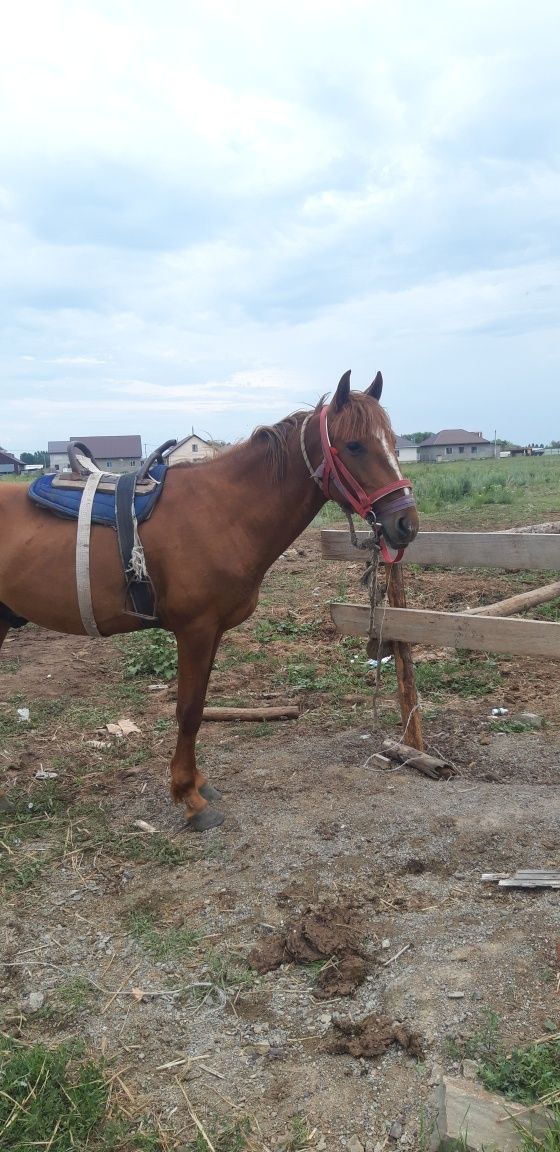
(404,665)
(510,551)
(519,603)
(430,766)
(452,630)
(251,714)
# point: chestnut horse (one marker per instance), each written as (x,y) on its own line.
(214,533)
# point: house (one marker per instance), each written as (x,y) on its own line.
(112,453)
(193,449)
(455,444)
(407,450)
(10,465)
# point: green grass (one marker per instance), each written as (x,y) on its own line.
(59,1099)
(163,944)
(283,627)
(499,491)
(463,675)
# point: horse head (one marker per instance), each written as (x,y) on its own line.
(361,468)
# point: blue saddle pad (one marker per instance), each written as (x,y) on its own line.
(66,501)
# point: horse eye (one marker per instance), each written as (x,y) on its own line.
(354,447)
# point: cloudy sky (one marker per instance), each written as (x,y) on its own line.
(208,211)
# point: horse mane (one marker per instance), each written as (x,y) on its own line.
(276,436)
(358,418)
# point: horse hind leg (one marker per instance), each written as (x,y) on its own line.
(196,651)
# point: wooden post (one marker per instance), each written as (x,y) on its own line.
(408,700)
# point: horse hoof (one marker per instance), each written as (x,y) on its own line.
(211,794)
(208,818)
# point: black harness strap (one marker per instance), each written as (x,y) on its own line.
(141,592)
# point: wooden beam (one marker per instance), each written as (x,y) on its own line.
(514,553)
(252,714)
(452,630)
(519,603)
(408,699)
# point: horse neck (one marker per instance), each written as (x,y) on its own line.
(273,512)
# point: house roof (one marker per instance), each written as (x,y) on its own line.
(9,458)
(105,447)
(451,436)
(185,440)
(404,442)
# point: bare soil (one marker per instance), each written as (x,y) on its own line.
(357,885)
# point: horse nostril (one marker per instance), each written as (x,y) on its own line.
(405,528)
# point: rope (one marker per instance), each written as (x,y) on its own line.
(370,579)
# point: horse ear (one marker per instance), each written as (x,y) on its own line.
(376,387)
(342,393)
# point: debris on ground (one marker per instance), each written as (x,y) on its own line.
(524,878)
(328,933)
(122,728)
(370,1037)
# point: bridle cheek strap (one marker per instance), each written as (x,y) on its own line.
(332,469)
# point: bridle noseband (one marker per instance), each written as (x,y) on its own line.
(332,468)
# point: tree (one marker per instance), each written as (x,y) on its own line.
(41,457)
(555,443)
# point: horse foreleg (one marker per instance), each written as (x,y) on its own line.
(196,651)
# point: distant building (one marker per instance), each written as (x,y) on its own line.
(193,449)
(10,465)
(112,453)
(455,444)
(407,450)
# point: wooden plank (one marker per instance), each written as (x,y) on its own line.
(452,630)
(519,603)
(514,553)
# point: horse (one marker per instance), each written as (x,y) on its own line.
(217,528)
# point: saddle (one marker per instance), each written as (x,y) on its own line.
(92,496)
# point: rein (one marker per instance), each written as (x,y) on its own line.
(332,468)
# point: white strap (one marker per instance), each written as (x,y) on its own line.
(83,581)
(86,464)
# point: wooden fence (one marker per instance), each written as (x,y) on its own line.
(474,629)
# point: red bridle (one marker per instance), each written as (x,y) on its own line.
(332,468)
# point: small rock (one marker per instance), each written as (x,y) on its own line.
(470,1069)
(385,944)
(531,719)
(354,1144)
(436,1074)
(455,995)
(396,1130)
(36,1001)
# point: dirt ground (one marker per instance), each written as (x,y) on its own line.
(364,878)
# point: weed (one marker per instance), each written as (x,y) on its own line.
(163,944)
(229,972)
(153,847)
(152,653)
(299,1136)
(526,1074)
(288,626)
(511,726)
